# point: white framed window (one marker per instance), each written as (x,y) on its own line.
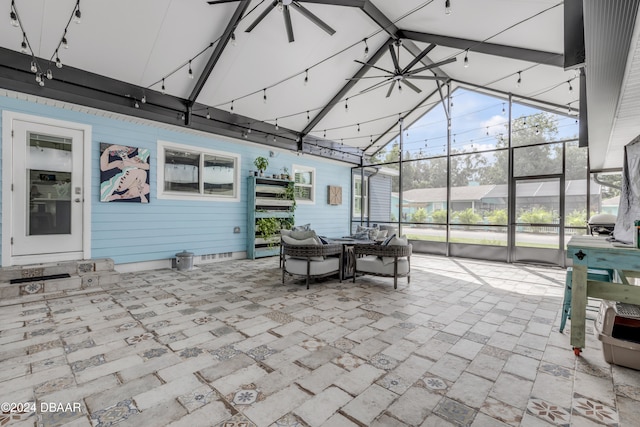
(187,173)
(360,196)
(304,178)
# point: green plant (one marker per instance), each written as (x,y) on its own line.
(267,228)
(261,163)
(439,216)
(537,216)
(420,215)
(498,217)
(577,218)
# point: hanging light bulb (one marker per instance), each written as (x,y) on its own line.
(58,62)
(307,115)
(325,133)
(65,43)
(49,74)
(366,49)
(39,77)
(264,95)
(23,45)
(346,105)
(208,114)
(306,76)
(136,105)
(399,87)
(570,87)
(249,129)
(466,59)
(14,16)
(234,42)
(274,138)
(504,111)
(447,7)
(77,16)
(34,67)
(190,71)
(519,82)
(487,130)
(537,130)
(144,99)
(277,128)
(232,106)
(280,5)
(163,90)
(358,127)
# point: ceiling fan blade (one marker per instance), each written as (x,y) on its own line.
(313,18)
(375,86)
(373,66)
(394,58)
(426,77)
(220,1)
(287,23)
(418,58)
(261,17)
(391,86)
(415,88)
(435,64)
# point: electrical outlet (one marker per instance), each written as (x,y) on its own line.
(236,230)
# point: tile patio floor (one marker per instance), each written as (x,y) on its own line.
(468,343)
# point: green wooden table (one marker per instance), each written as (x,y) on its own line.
(597,252)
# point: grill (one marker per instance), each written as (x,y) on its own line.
(602,224)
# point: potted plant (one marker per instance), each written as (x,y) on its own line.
(261,164)
(267,228)
(285,173)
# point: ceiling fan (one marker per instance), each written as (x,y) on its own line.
(403,75)
(285,6)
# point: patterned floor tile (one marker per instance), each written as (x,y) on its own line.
(312,344)
(394,383)
(126,326)
(154,352)
(81,365)
(348,361)
(343,344)
(238,420)
(549,412)
(556,370)
(383,361)
(115,414)
(191,352)
(70,348)
(139,338)
(280,317)
(503,412)
(55,384)
(455,412)
(289,420)
(261,352)
(594,410)
(434,383)
(197,398)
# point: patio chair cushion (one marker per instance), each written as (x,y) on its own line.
(371,232)
(375,265)
(394,241)
(302,234)
(289,240)
(305,227)
(299,266)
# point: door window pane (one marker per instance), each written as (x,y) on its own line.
(49,178)
(181,171)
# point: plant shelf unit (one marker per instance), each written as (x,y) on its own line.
(266,199)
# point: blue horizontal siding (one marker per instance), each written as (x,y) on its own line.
(129,232)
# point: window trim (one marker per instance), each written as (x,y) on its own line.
(162,146)
(312,170)
(364,196)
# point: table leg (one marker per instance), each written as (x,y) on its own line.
(578,307)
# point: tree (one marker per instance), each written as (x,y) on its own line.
(420,215)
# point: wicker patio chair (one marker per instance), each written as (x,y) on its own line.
(312,261)
(386,261)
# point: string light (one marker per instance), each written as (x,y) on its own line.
(190,71)
(519,82)
(466,59)
(346,105)
(144,99)
(233,39)
(135,104)
(504,111)
(358,127)
(23,45)
(77,15)
(537,130)
(325,133)
(13,15)
(366,49)
(447,7)
(163,88)
(65,43)
(34,67)
(208,114)
(59,63)
(277,128)
(306,76)
(249,129)
(264,95)
(307,115)
(231,106)
(49,74)
(570,87)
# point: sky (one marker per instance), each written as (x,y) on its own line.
(477,120)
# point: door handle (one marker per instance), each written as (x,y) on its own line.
(77,200)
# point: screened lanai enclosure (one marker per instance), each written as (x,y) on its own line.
(486,176)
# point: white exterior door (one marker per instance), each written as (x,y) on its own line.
(46,209)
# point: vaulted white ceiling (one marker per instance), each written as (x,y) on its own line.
(142,42)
